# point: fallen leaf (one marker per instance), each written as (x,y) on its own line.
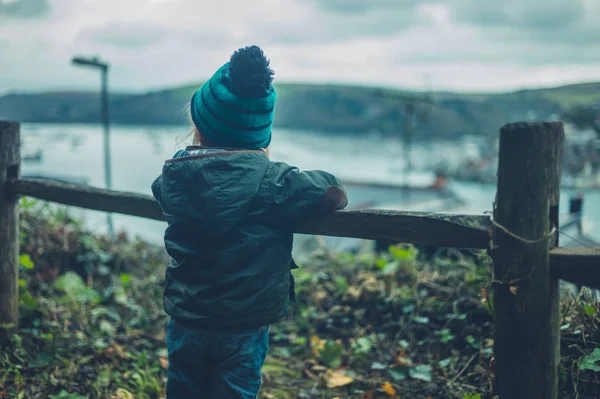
(117,350)
(402,360)
(513,289)
(123,394)
(378,366)
(337,379)
(308,374)
(389,389)
(421,372)
(353,293)
(164,362)
(317,344)
(367,395)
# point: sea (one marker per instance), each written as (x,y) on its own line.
(138,153)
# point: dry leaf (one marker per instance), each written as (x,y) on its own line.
(513,289)
(317,344)
(353,293)
(389,389)
(336,379)
(308,374)
(117,350)
(164,363)
(484,296)
(367,395)
(123,394)
(402,360)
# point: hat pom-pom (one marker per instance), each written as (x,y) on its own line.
(249,72)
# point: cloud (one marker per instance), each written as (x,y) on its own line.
(546,22)
(158,43)
(125,35)
(362,6)
(348,19)
(24,9)
(532,15)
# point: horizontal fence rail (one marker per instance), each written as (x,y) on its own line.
(575,265)
(460,231)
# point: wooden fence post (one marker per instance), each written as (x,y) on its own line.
(9,238)
(525,293)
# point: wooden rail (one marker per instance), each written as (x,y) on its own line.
(460,231)
(575,265)
(522,240)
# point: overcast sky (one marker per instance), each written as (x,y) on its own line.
(420,44)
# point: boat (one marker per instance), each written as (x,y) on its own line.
(31,157)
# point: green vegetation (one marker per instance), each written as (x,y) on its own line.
(328,108)
(391,326)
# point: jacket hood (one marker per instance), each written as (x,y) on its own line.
(210,192)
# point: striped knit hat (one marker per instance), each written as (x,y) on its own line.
(235,107)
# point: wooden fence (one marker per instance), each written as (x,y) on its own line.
(522,240)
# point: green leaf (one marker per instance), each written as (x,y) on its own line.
(103,378)
(71,284)
(331,354)
(26,203)
(381,263)
(591,361)
(67,395)
(445,335)
(391,268)
(565,326)
(444,362)
(378,366)
(472,396)
(590,310)
(408,308)
(300,341)
(120,296)
(397,374)
(446,338)
(341,284)
(403,253)
(469,339)
(100,344)
(421,320)
(362,346)
(42,360)
(421,372)
(107,327)
(26,262)
(403,343)
(27,300)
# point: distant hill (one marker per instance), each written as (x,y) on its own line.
(327,108)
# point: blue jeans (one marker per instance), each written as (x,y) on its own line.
(214,365)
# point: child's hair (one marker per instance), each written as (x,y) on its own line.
(186,111)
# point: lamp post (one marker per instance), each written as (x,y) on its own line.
(103,67)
